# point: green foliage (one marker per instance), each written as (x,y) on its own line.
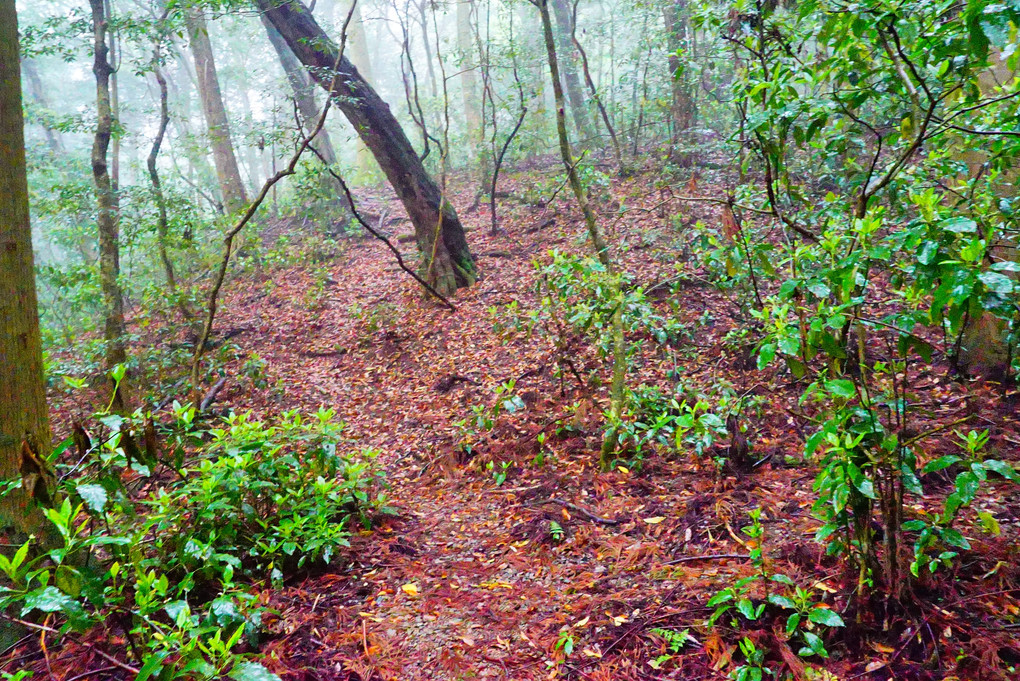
(577,300)
(268,499)
(675,642)
(164,561)
(885,154)
(752,598)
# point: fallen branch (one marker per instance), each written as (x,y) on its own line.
(210,396)
(579,509)
(707,556)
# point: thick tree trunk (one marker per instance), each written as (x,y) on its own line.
(565,47)
(446,260)
(107,219)
(227,171)
(24,418)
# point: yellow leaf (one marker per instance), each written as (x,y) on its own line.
(581,623)
(496,585)
(411,589)
(655,521)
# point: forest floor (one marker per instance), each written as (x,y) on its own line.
(561,570)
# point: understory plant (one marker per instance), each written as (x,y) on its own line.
(159,530)
(885,136)
(579,299)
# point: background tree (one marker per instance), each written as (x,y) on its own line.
(227,171)
(114,330)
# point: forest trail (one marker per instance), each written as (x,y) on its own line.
(471,580)
(517,557)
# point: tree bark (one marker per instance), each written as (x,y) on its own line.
(446,261)
(617,386)
(564,46)
(357,42)
(227,170)
(114,103)
(469,90)
(304,94)
(162,228)
(24,417)
(682,108)
(424,22)
(107,219)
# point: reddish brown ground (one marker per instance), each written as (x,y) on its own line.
(469,582)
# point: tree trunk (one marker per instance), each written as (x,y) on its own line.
(114,106)
(564,46)
(682,108)
(24,418)
(162,229)
(107,220)
(358,44)
(424,21)
(446,260)
(618,384)
(469,90)
(304,95)
(227,171)
(35,89)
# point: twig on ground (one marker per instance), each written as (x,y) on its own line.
(578,509)
(707,556)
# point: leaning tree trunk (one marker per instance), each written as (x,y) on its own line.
(618,385)
(304,94)
(446,260)
(24,418)
(227,171)
(107,221)
(357,43)
(564,46)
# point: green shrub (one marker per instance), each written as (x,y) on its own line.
(164,568)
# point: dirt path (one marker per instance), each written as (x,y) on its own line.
(472,580)
(560,570)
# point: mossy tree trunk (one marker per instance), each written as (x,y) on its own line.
(106,217)
(618,383)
